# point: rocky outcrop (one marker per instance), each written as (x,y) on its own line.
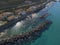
(28,36)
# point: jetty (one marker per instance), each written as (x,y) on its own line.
(28,36)
(44,16)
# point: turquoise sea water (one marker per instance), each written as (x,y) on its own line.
(52,35)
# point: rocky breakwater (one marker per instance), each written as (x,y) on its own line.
(44,16)
(28,36)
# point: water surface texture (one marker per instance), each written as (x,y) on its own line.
(52,35)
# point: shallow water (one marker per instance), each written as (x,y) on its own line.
(52,35)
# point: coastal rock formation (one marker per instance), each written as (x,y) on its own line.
(28,36)
(17,14)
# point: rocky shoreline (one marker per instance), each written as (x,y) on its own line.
(28,36)
(21,16)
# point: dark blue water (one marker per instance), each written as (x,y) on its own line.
(52,35)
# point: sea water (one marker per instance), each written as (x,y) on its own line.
(52,35)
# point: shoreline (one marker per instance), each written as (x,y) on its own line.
(14,24)
(23,17)
(19,19)
(36,32)
(40,28)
